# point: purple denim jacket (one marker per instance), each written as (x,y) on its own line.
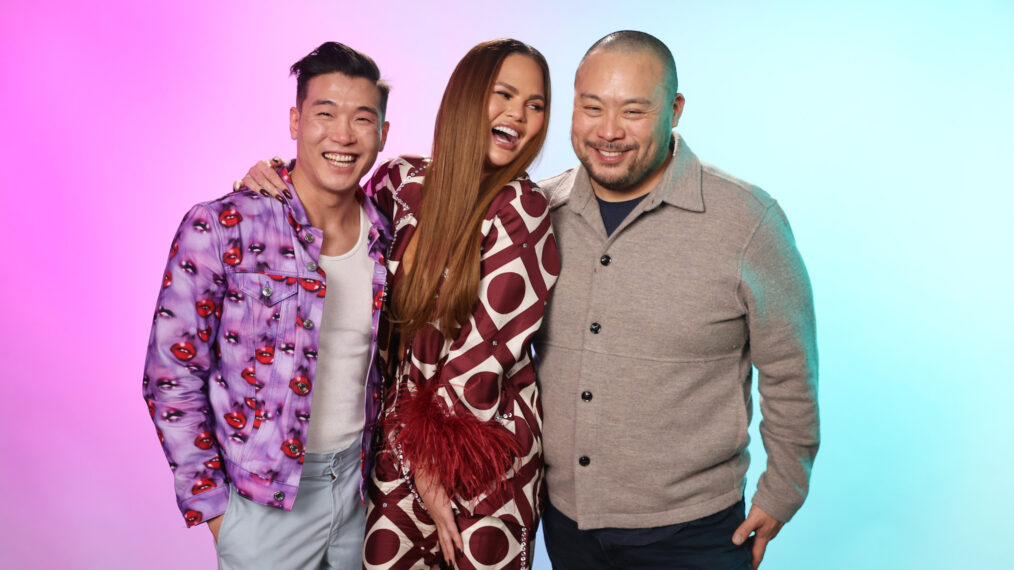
(231,358)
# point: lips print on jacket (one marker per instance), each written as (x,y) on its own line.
(231,357)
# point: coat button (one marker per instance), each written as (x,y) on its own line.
(605,259)
(311,266)
(586,396)
(279,496)
(307,324)
(584,461)
(595,328)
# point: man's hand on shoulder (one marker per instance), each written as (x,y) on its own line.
(213,525)
(262,177)
(765,528)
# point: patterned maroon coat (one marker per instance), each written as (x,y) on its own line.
(470,405)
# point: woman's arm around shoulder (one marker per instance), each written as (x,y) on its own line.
(388,177)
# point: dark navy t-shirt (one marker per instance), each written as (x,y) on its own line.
(613,213)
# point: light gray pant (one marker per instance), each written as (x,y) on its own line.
(324,529)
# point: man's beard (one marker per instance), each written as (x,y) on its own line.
(616,183)
(632,176)
(635,173)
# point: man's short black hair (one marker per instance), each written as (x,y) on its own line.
(333,57)
(632,40)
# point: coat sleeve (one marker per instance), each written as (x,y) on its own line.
(782,332)
(386,179)
(451,426)
(181,360)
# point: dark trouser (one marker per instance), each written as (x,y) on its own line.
(704,544)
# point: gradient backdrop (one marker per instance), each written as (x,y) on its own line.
(883,128)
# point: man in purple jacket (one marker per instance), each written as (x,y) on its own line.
(267,318)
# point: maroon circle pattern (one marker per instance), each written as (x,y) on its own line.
(506,292)
(477,392)
(382,546)
(489,545)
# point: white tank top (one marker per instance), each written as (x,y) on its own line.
(339,391)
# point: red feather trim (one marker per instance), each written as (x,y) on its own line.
(468,455)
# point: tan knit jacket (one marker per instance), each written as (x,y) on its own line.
(648,349)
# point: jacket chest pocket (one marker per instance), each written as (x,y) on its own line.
(268,299)
(267,289)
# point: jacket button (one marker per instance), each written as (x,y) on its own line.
(605,259)
(307,324)
(308,237)
(311,266)
(266,291)
(584,461)
(279,496)
(595,328)
(586,396)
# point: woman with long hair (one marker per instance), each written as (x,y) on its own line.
(458,478)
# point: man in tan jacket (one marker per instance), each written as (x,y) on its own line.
(677,281)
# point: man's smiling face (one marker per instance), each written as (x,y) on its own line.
(623,119)
(338,129)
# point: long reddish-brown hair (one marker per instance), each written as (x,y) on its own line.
(458,188)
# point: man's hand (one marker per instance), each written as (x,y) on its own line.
(439,507)
(765,528)
(213,525)
(262,177)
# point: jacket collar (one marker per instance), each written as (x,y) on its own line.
(380,227)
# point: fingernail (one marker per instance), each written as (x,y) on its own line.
(277,159)
(237,185)
(265,193)
(737,540)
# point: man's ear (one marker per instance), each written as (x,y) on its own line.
(383,135)
(293,122)
(677,108)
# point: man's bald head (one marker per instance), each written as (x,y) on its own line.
(634,41)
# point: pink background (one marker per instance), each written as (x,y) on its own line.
(884,131)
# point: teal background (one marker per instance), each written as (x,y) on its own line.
(883,128)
